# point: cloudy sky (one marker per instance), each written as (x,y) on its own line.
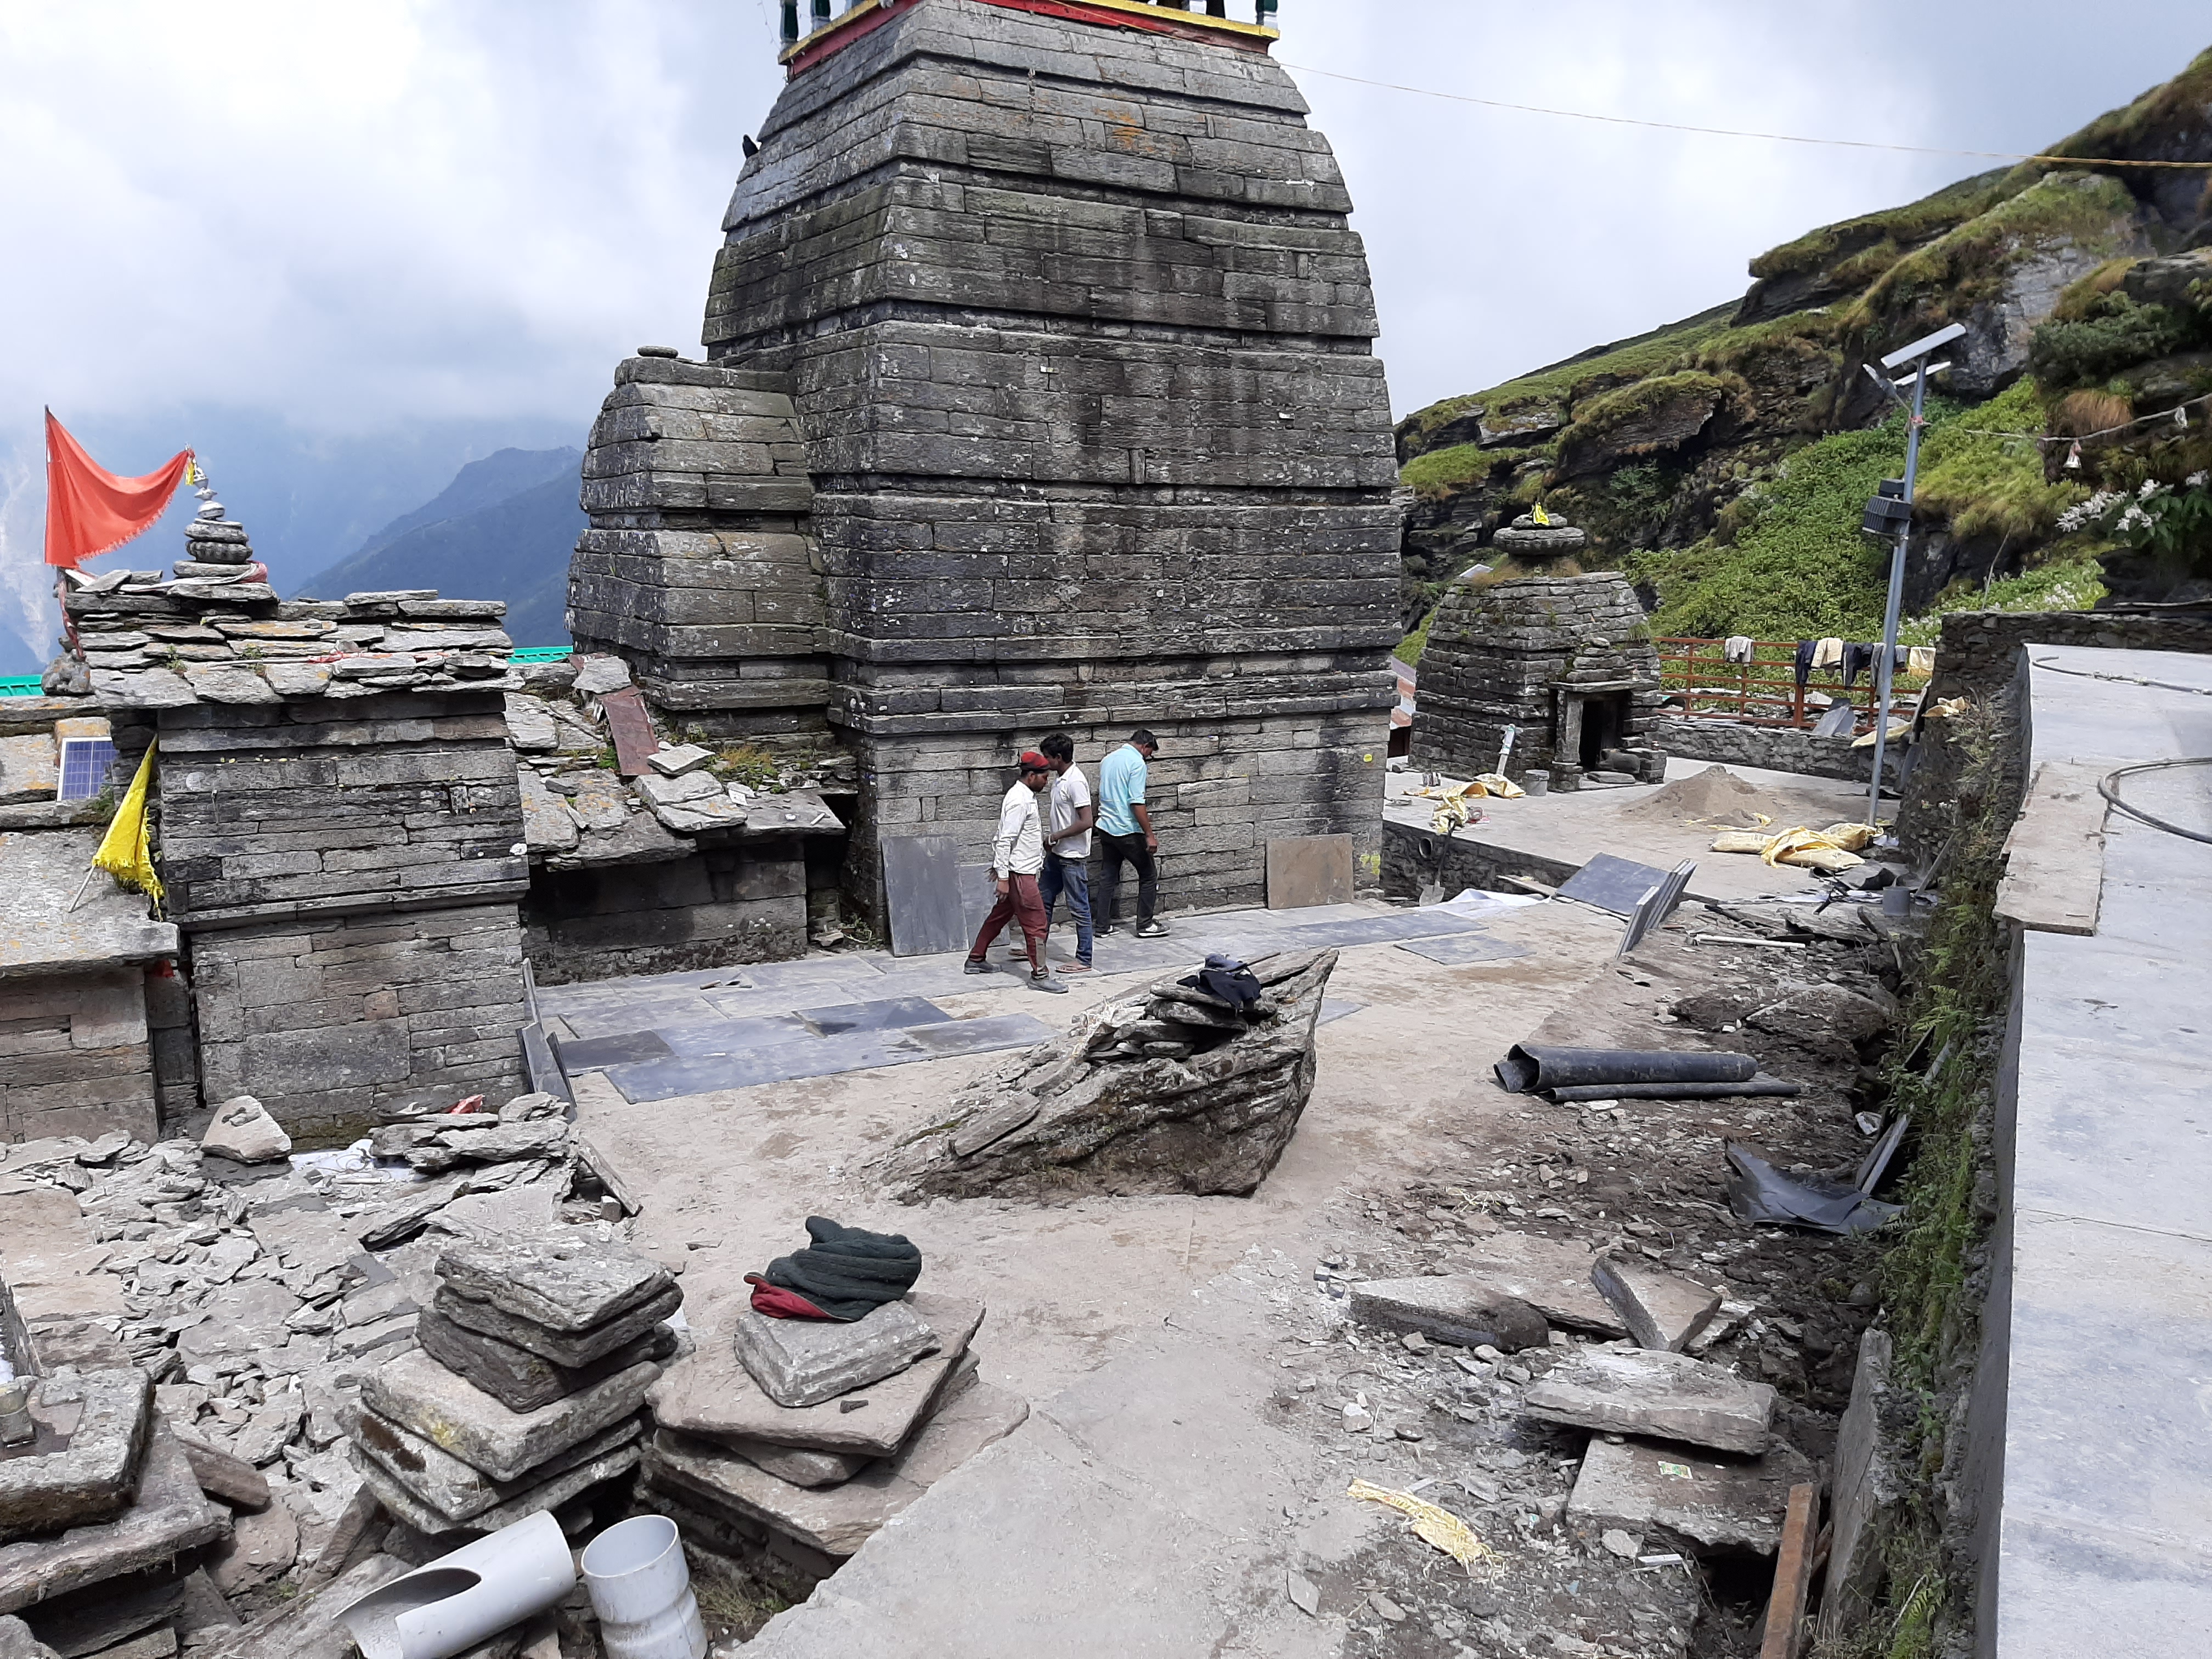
(343,249)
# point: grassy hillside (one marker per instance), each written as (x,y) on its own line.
(1723,461)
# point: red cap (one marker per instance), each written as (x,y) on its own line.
(1033,762)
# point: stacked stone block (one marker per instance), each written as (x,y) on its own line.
(1078,339)
(75,1052)
(698,568)
(1512,653)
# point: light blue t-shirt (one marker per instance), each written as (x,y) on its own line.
(1120,786)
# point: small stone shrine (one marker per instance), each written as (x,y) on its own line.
(1560,659)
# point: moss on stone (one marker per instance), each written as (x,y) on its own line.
(1443,473)
(2115,333)
(1947,279)
(1993,485)
(1863,240)
(2168,117)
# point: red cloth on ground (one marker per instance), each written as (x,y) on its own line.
(90,511)
(1022,903)
(777,1303)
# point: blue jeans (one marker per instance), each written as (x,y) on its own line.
(1071,876)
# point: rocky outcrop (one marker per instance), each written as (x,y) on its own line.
(1172,1090)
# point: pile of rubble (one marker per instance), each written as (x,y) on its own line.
(784,1445)
(261,1292)
(525,1391)
(1175,1090)
(600,785)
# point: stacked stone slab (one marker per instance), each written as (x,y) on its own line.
(1078,338)
(783,1445)
(698,565)
(1518,653)
(535,1358)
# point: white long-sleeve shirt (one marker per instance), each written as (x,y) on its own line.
(1019,848)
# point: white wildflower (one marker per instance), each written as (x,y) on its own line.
(2196,480)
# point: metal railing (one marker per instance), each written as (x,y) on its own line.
(1698,676)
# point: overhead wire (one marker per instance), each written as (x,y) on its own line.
(1741,133)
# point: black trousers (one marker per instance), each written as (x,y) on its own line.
(1129,849)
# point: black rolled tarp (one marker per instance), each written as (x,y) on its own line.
(1761,1085)
(1530,1068)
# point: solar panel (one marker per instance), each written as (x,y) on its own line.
(86,763)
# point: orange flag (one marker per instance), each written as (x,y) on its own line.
(90,511)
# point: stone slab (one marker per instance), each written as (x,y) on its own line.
(709,1394)
(570,1287)
(886,1014)
(459,1417)
(1303,871)
(987,1034)
(922,893)
(1668,1396)
(83,1465)
(96,1618)
(456,1491)
(519,1379)
(1865,1487)
(795,1464)
(1660,1310)
(50,1260)
(545,1495)
(1456,951)
(562,1350)
(1713,1506)
(838,1520)
(1429,923)
(804,1362)
(1452,1308)
(1612,883)
(1553,1277)
(169,1516)
(308,1628)
(628,1048)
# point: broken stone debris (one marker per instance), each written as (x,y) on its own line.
(167,1515)
(1661,1310)
(82,1464)
(242,1130)
(1172,1090)
(1461,1309)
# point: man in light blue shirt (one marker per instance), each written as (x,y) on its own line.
(1125,830)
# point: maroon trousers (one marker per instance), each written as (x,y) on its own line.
(1020,902)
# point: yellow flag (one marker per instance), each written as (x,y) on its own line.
(1540,516)
(123,852)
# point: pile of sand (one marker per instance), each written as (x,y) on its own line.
(1714,796)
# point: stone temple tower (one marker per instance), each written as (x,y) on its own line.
(1038,393)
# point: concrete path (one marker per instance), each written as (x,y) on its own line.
(1142,1509)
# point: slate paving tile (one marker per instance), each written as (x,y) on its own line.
(1456,948)
(665,1079)
(591,1054)
(1383,930)
(981,1036)
(1334,1008)
(710,1038)
(889,1013)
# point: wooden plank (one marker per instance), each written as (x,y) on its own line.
(1793,1576)
(2055,856)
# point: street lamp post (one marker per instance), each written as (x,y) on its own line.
(1887,512)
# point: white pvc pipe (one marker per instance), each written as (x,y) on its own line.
(460,1600)
(641,1587)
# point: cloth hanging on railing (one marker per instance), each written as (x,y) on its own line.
(1828,653)
(1738,648)
(1805,649)
(1857,659)
(1920,659)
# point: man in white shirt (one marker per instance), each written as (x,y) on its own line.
(1067,846)
(1017,856)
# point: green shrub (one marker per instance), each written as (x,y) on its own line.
(2116,333)
(1992,485)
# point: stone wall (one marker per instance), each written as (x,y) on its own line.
(720,905)
(1509,652)
(346,871)
(331,1019)
(699,566)
(1415,857)
(76,1057)
(1979,654)
(1078,340)
(1777,748)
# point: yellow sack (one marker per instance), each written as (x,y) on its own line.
(1437,1528)
(1851,837)
(1808,850)
(1898,728)
(125,852)
(1496,783)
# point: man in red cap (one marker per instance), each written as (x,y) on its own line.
(1017,856)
